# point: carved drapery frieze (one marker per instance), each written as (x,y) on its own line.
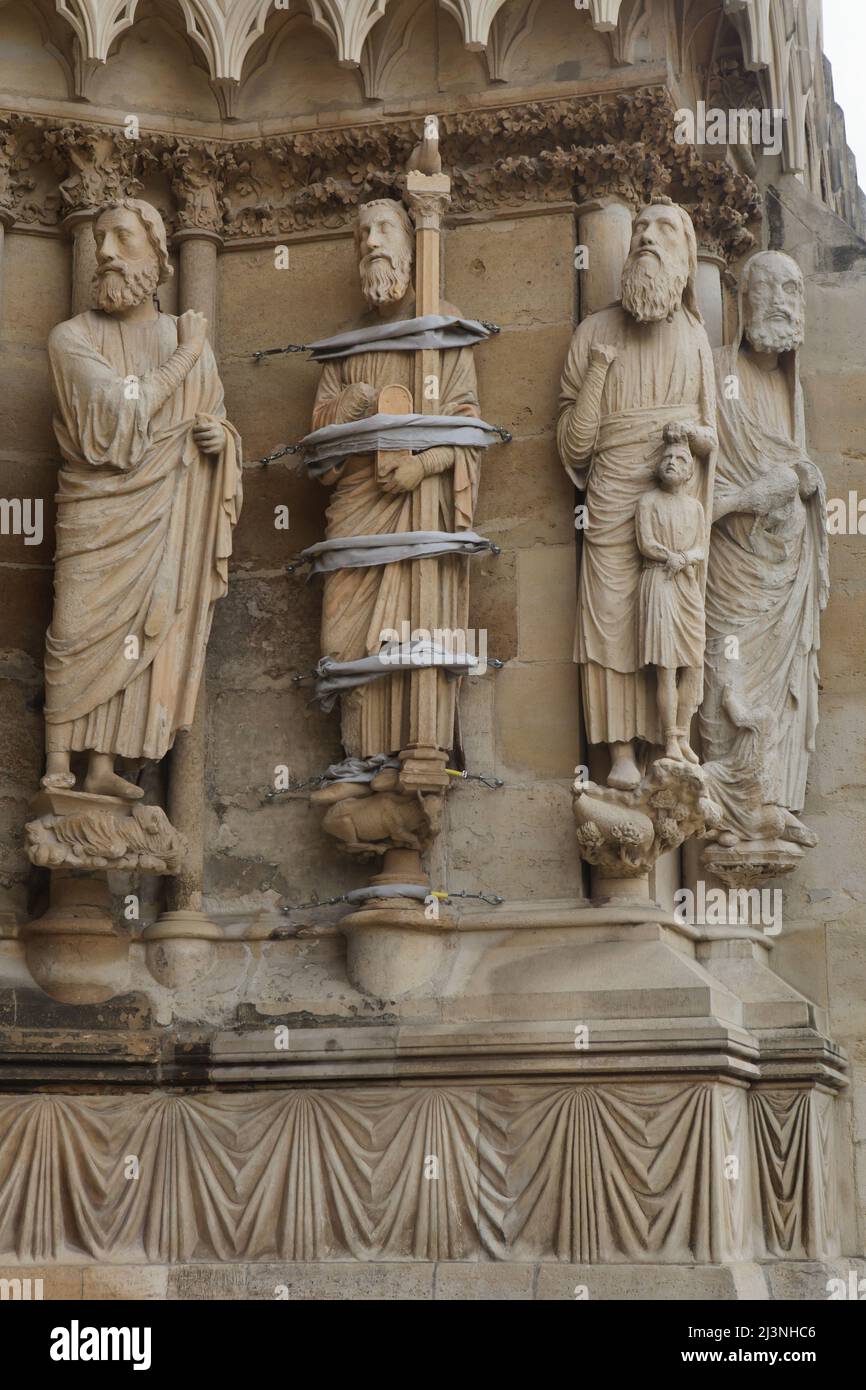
(565,151)
(610,1172)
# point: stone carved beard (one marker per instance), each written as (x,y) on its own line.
(118,286)
(386,276)
(651,291)
(773,335)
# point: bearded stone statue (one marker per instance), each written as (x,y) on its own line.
(362,604)
(634,370)
(768,575)
(149,492)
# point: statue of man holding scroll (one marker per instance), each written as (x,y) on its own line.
(372,494)
(149,492)
(632,370)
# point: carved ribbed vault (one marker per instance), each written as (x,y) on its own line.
(780,38)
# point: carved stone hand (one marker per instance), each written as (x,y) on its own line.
(358,401)
(809,478)
(209,435)
(406,476)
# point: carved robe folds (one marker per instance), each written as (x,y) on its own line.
(359,605)
(662,374)
(144,534)
(767,581)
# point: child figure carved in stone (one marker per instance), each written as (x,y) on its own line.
(671,537)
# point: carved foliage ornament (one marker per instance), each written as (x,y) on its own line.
(568,150)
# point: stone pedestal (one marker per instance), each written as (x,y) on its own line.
(74,951)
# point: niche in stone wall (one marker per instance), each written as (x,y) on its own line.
(542,41)
(155,66)
(292,70)
(35,54)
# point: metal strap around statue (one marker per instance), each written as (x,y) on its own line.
(389,890)
(357,552)
(333,678)
(431,331)
(330,445)
(358,769)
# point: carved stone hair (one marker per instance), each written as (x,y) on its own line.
(400,214)
(690,293)
(153,224)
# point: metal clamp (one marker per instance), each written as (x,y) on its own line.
(276,352)
(278,454)
(486,778)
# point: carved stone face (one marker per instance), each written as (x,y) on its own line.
(676,466)
(385,254)
(127,266)
(774,303)
(657,269)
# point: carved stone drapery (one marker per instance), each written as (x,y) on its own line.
(592,1173)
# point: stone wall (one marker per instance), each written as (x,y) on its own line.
(509,258)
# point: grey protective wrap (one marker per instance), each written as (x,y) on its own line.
(335,677)
(359,769)
(356,552)
(327,447)
(389,890)
(432,331)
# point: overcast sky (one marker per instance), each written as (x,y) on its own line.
(845,46)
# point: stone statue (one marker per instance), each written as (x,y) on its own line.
(633,369)
(768,574)
(361,605)
(671,531)
(149,492)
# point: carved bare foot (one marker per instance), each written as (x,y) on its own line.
(797,832)
(58,775)
(57,781)
(688,752)
(672,748)
(102,780)
(624,771)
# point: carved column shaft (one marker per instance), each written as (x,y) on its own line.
(186,789)
(424,761)
(709,288)
(198,276)
(83,260)
(604,228)
(5,221)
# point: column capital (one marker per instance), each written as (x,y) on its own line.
(197,180)
(427,197)
(197,234)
